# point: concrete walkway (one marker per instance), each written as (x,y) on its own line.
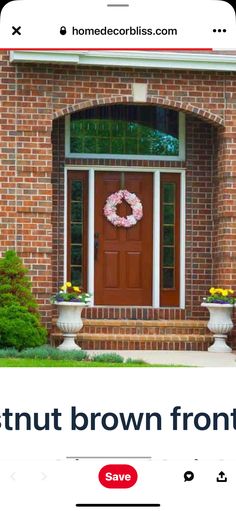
(188,358)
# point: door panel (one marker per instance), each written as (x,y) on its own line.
(123,266)
(111,278)
(134,267)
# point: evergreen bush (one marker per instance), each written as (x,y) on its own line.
(20,325)
(19,328)
(15,285)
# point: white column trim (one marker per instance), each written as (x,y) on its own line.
(91,205)
(156,241)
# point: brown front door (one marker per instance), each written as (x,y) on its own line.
(123,256)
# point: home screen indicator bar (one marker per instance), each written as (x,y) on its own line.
(108,457)
(122,506)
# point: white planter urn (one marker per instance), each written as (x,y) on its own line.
(220,324)
(70,323)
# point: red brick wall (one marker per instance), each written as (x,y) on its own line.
(224,210)
(32,95)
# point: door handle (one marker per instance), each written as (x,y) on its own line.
(96,245)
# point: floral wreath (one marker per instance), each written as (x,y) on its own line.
(111,206)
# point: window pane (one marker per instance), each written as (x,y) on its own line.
(76,276)
(103,145)
(168,235)
(76,233)
(131,146)
(89,145)
(169,192)
(144,146)
(76,211)
(125,129)
(118,146)
(168,256)
(76,190)
(168,214)
(131,130)
(168,278)
(76,145)
(76,255)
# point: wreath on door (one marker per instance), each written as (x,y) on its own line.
(112,202)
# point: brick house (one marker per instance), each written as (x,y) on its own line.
(78,126)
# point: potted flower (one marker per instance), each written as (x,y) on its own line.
(70,301)
(220,304)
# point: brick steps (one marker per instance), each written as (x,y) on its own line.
(140,327)
(141,335)
(133,313)
(140,342)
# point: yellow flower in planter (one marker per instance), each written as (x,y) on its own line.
(220,295)
(71,294)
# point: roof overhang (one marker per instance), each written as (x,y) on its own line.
(143,59)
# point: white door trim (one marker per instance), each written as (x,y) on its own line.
(156,241)
(156,215)
(91,209)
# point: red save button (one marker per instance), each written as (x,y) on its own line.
(118,476)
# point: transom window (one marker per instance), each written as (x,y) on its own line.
(126,131)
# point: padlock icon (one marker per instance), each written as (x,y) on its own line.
(63,30)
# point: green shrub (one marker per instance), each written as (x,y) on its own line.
(112,358)
(71,355)
(9,353)
(42,352)
(20,325)
(48,352)
(15,285)
(19,328)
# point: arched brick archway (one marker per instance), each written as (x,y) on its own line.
(202,124)
(181,106)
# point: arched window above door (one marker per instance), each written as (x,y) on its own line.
(126,132)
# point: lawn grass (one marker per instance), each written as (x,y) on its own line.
(27,362)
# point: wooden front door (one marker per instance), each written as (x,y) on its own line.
(123,256)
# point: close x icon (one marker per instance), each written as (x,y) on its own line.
(16,30)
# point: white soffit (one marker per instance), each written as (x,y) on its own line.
(144,59)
